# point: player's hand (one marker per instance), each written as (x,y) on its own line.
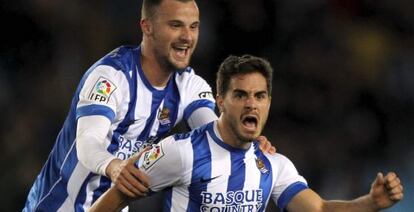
(386,190)
(127,178)
(265,145)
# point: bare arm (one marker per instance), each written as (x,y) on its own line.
(385,192)
(113,200)
(308,200)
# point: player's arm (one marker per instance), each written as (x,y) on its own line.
(92,153)
(90,145)
(113,200)
(385,192)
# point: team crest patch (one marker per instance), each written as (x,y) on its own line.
(102,90)
(261,166)
(164,116)
(152,156)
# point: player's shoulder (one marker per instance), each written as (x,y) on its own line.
(188,75)
(119,59)
(193,134)
(278,159)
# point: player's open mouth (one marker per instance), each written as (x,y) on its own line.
(181,51)
(250,122)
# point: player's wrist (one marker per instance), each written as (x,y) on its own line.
(370,203)
(112,167)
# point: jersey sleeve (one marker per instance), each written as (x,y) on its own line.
(102,92)
(198,94)
(288,182)
(163,164)
(200,117)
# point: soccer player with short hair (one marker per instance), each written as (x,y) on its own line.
(217,167)
(128,99)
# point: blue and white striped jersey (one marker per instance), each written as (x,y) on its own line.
(202,173)
(114,87)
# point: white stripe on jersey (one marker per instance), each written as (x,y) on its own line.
(220,167)
(252,173)
(179,195)
(74,184)
(142,109)
(179,198)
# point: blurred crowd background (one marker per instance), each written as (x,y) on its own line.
(343,100)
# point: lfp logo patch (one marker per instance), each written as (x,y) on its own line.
(102,90)
(150,157)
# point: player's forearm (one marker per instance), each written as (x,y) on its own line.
(112,200)
(90,143)
(361,204)
(92,155)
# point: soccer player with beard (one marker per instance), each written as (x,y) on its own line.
(218,167)
(128,99)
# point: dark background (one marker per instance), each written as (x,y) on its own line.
(342,106)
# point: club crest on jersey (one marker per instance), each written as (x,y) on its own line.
(261,166)
(102,90)
(152,156)
(164,116)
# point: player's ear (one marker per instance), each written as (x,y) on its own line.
(220,102)
(146,26)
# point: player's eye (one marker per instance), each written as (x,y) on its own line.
(175,24)
(239,95)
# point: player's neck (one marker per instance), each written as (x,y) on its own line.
(229,137)
(153,71)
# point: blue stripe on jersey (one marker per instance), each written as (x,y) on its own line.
(104,184)
(171,102)
(266,179)
(201,168)
(157,97)
(197,104)
(238,172)
(94,109)
(167,199)
(289,193)
(80,199)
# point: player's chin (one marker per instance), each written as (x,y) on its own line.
(180,65)
(250,136)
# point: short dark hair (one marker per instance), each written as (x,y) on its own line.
(234,65)
(149,7)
